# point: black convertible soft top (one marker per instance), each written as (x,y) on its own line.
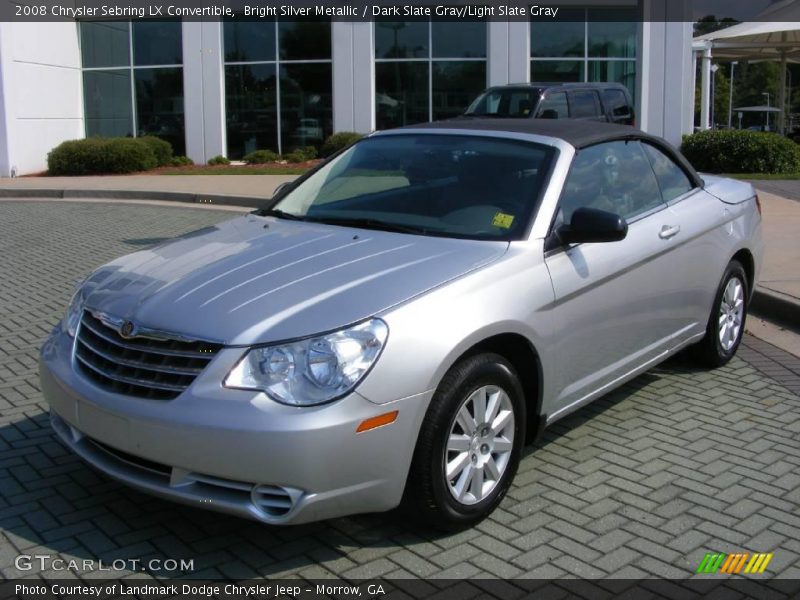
(579,134)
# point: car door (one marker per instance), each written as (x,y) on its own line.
(617,106)
(700,225)
(585,105)
(613,301)
(553,106)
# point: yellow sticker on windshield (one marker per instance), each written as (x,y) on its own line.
(503,220)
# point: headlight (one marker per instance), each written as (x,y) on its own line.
(314,370)
(74,311)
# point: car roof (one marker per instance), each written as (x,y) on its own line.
(556,84)
(577,133)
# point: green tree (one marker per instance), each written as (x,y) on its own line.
(721,91)
(710,23)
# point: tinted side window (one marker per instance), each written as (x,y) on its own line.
(616,104)
(520,104)
(506,103)
(555,102)
(671,178)
(614,177)
(584,104)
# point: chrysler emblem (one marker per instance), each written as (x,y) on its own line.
(127,329)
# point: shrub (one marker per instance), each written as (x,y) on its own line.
(126,155)
(98,156)
(162,149)
(340,140)
(77,157)
(260,157)
(295,157)
(741,151)
(181,161)
(310,152)
(219,160)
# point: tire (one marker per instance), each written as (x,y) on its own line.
(722,338)
(473,451)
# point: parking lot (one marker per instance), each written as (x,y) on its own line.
(642,483)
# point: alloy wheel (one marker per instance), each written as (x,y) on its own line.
(731,314)
(479,444)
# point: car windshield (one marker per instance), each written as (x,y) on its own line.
(475,187)
(511,103)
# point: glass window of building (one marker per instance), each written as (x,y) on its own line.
(133,79)
(586,45)
(278,85)
(427,70)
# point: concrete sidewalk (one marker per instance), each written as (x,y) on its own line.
(777,295)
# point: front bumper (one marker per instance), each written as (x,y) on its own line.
(235,451)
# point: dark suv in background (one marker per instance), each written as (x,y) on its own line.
(609,102)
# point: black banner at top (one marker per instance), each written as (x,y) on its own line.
(399,10)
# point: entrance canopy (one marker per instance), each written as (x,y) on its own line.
(752,41)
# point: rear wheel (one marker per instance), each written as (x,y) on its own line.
(726,322)
(469,445)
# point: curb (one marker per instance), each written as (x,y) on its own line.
(775,306)
(188,197)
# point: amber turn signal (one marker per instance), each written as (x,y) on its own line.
(379,421)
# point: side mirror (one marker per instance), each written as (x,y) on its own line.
(548,114)
(592,225)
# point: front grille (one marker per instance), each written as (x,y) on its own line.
(145,367)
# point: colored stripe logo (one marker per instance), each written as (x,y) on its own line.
(733,564)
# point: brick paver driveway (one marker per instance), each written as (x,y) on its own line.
(641,483)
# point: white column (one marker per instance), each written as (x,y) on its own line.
(5,107)
(497,53)
(203,90)
(705,89)
(192,90)
(664,77)
(353,76)
(363,77)
(678,81)
(519,51)
(649,89)
(215,138)
(41,98)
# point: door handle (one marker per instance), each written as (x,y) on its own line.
(668,231)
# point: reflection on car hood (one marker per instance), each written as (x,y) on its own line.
(256,279)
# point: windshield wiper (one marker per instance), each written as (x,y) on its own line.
(367,223)
(281,214)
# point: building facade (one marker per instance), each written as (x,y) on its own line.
(232,87)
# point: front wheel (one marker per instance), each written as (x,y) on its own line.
(469,444)
(726,323)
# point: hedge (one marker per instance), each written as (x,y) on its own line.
(741,151)
(219,160)
(337,141)
(100,156)
(181,161)
(297,156)
(162,149)
(260,157)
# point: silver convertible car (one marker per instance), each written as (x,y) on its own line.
(399,322)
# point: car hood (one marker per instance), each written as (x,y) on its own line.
(260,279)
